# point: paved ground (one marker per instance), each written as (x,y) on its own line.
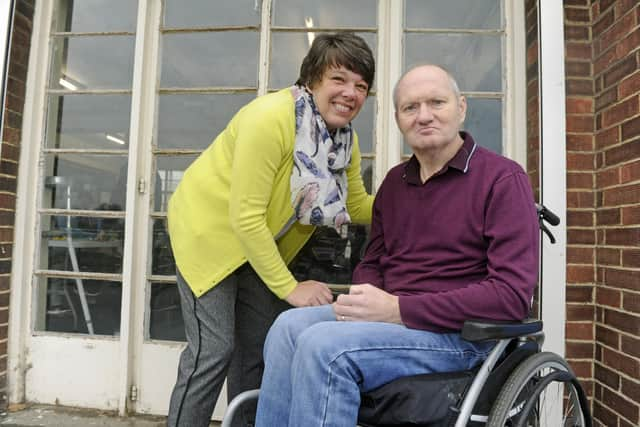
(50,416)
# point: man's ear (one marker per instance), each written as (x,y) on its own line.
(462,106)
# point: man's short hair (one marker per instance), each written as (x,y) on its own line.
(452,81)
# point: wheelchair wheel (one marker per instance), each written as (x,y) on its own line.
(540,392)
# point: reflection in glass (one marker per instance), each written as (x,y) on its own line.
(95,15)
(483,51)
(366,170)
(326,13)
(85,181)
(81,243)
(478,14)
(364,125)
(208,13)
(162,262)
(169,171)
(192,121)
(205,59)
(79,306)
(92,62)
(288,50)
(484,122)
(165,317)
(88,121)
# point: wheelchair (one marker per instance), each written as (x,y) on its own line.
(517,385)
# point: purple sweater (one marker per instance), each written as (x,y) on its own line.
(463,245)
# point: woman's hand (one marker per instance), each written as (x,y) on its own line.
(308,293)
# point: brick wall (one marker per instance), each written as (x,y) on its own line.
(603,177)
(9,154)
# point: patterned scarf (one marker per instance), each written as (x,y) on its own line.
(319,180)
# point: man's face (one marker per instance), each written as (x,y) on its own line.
(428,112)
(339,96)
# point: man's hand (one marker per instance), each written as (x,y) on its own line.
(367,303)
(308,293)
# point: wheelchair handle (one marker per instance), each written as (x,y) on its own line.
(544,214)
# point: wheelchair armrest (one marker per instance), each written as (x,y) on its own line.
(487,330)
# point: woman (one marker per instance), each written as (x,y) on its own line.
(287,162)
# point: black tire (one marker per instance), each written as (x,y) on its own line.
(539,380)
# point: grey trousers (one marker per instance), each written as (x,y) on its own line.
(225,329)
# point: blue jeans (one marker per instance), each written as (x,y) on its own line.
(316,367)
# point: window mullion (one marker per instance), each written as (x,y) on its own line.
(265,46)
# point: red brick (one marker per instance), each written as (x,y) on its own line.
(620,112)
(579,105)
(631,258)
(581,236)
(580,123)
(631,129)
(582,369)
(576,32)
(579,293)
(622,153)
(579,312)
(624,322)
(606,376)
(580,274)
(629,86)
(579,331)
(580,255)
(622,195)
(608,256)
(631,215)
(603,60)
(607,337)
(603,22)
(630,388)
(608,297)
(622,236)
(580,161)
(577,15)
(577,180)
(619,71)
(579,350)
(631,303)
(628,44)
(578,50)
(606,98)
(629,279)
(630,345)
(575,68)
(630,172)
(579,86)
(579,142)
(607,178)
(618,30)
(602,414)
(608,137)
(580,218)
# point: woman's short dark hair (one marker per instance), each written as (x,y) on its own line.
(338,49)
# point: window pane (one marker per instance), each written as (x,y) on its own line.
(88,121)
(165,320)
(456,52)
(85,181)
(484,122)
(366,170)
(92,62)
(208,13)
(326,13)
(169,171)
(82,244)
(192,121)
(95,15)
(162,262)
(364,125)
(478,14)
(227,58)
(79,306)
(288,50)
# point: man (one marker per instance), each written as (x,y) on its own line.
(454,236)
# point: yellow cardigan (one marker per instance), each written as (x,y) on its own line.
(235,198)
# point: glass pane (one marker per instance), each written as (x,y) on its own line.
(162,262)
(82,244)
(207,13)
(85,181)
(484,122)
(326,13)
(95,15)
(88,121)
(328,257)
(288,51)
(165,318)
(478,14)
(192,121)
(92,62)
(364,124)
(79,306)
(227,58)
(455,52)
(169,171)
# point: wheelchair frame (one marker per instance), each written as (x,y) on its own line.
(512,398)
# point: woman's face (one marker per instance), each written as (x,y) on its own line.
(339,96)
